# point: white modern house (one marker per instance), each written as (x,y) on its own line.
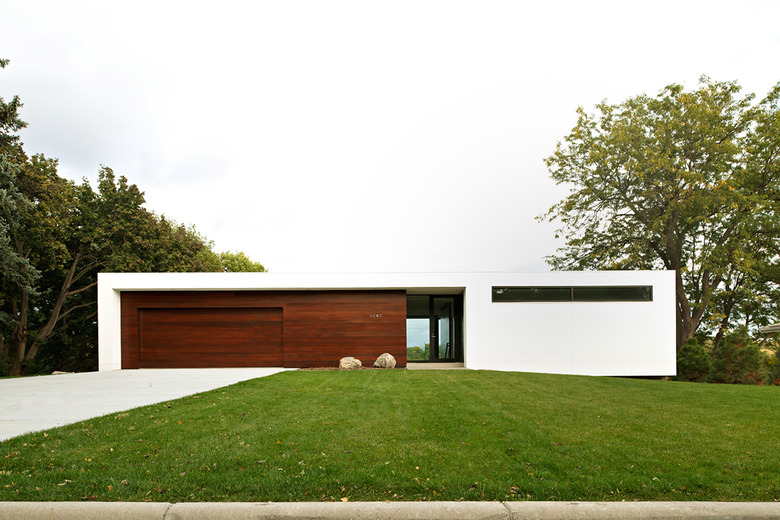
(611,323)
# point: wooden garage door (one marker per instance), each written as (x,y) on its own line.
(210,337)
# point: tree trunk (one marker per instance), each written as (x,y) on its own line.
(685,330)
(59,311)
(687,319)
(724,325)
(48,328)
(3,350)
(20,333)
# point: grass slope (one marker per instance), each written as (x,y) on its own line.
(415,435)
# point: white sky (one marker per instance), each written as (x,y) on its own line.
(356,135)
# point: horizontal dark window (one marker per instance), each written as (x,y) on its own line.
(599,293)
(531,294)
(623,293)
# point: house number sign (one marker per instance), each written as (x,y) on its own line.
(375,315)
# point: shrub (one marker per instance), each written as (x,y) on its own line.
(774,369)
(738,360)
(417,353)
(693,362)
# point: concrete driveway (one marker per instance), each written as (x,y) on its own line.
(29,404)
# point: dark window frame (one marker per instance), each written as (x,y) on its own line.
(565,293)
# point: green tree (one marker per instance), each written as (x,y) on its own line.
(15,269)
(418,353)
(10,122)
(17,274)
(739,361)
(693,362)
(684,181)
(239,263)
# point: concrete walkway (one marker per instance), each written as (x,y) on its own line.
(31,404)
(394,510)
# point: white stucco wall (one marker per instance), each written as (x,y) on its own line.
(589,338)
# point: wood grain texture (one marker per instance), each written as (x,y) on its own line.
(237,328)
(199,338)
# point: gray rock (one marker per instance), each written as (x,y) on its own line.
(385,361)
(349,363)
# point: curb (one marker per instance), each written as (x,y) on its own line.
(394,510)
(643,510)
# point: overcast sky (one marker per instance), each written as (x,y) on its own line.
(356,135)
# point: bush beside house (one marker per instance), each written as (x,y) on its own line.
(738,359)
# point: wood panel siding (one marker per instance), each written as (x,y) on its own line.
(318,328)
(321,328)
(199,338)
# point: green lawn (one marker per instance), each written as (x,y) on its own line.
(416,435)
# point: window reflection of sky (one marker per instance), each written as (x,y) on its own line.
(417,333)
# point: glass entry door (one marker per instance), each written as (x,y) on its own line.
(441,326)
(432,323)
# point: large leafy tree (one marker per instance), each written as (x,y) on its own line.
(687,181)
(16,272)
(40,233)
